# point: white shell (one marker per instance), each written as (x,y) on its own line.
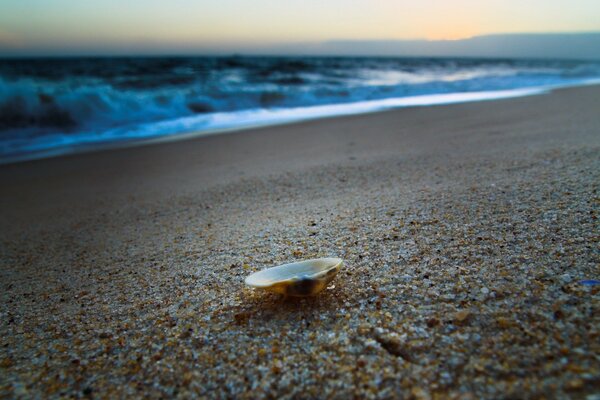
(304,278)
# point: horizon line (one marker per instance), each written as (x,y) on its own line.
(314,48)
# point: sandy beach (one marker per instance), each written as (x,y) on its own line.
(470,236)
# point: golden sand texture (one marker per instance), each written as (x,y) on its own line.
(464,264)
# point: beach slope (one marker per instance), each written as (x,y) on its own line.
(470,236)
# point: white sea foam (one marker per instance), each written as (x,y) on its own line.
(61,106)
(232,121)
(223,122)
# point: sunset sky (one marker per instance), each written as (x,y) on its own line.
(52,25)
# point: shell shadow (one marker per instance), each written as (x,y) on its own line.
(275,308)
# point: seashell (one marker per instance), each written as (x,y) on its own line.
(304,278)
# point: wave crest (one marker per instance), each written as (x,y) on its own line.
(88,100)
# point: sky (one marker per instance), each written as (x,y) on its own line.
(55,26)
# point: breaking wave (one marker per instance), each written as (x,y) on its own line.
(65,103)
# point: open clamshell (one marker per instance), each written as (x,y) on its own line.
(304,278)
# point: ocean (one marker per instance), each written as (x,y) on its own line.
(62,105)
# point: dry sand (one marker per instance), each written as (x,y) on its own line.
(470,235)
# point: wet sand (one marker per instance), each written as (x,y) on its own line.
(469,231)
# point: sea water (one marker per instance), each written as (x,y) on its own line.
(56,106)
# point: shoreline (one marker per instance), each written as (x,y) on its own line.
(469,234)
(282,117)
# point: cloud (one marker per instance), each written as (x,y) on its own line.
(566,46)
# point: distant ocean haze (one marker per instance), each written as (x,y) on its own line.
(58,105)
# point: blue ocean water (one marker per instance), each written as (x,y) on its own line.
(53,106)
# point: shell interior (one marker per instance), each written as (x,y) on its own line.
(304,278)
